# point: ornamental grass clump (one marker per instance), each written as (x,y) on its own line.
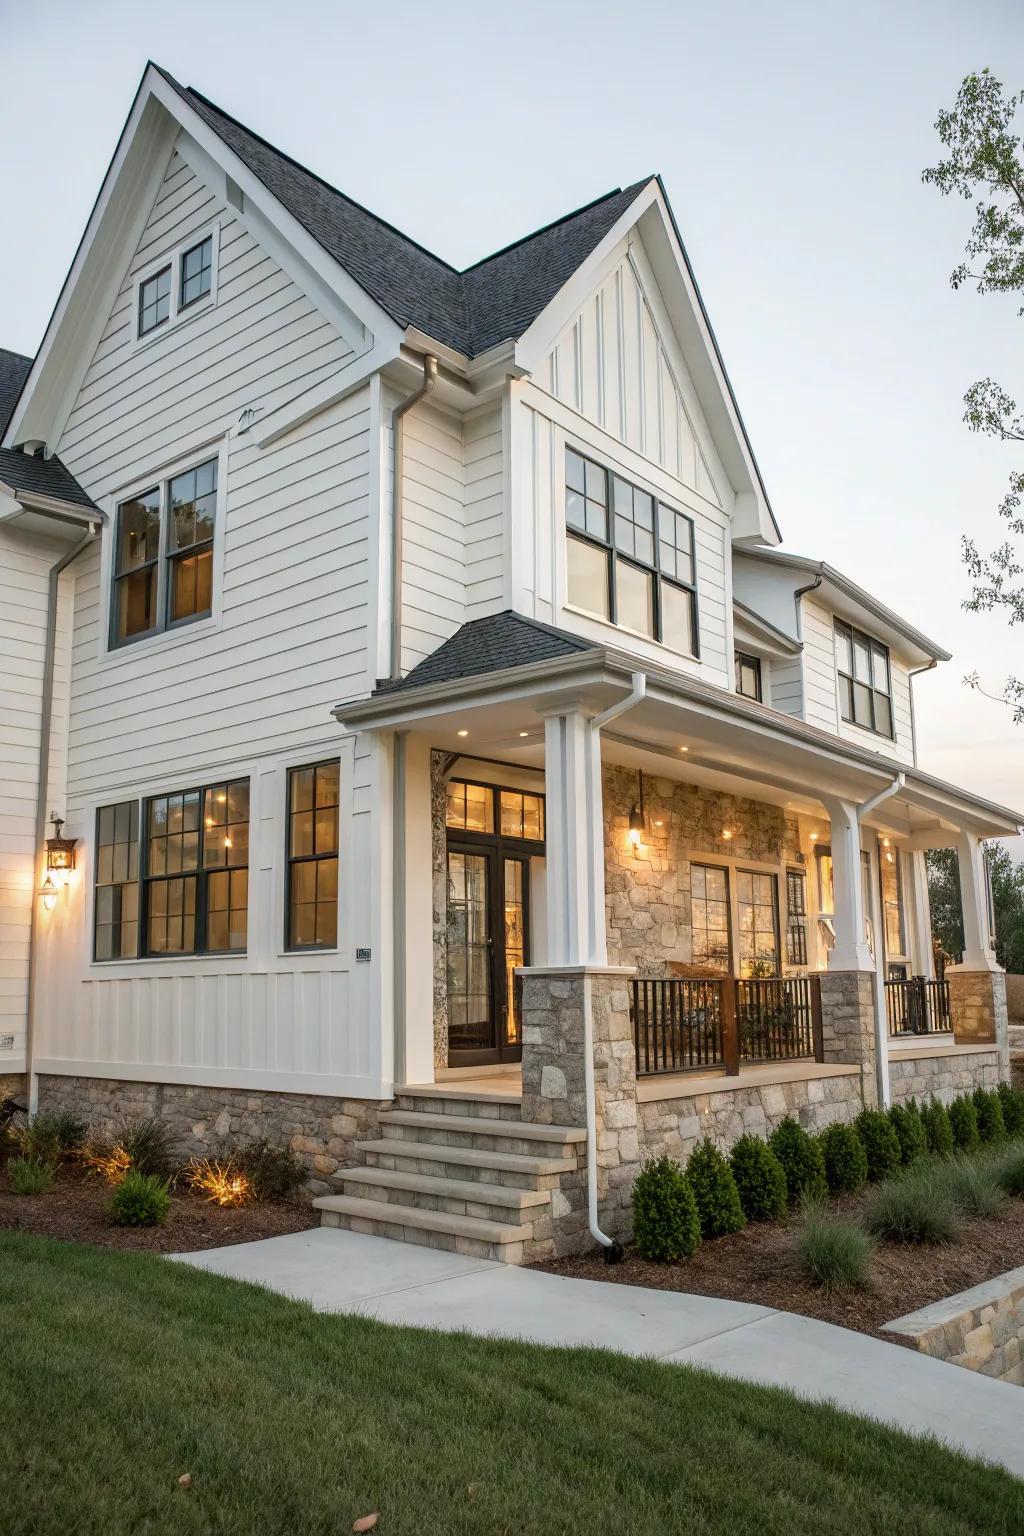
(140,1144)
(916,1209)
(963,1117)
(937,1127)
(905,1120)
(801,1159)
(972,1185)
(1008,1171)
(51,1136)
(1012,1102)
(30,1175)
(833,1252)
(880,1142)
(989,1110)
(760,1179)
(221,1182)
(140,1200)
(272,1172)
(714,1189)
(846,1162)
(666,1225)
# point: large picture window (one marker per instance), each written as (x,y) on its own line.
(865,680)
(757,904)
(196,870)
(313,804)
(163,555)
(709,916)
(630,559)
(796,917)
(116,904)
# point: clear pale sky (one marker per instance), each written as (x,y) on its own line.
(791,138)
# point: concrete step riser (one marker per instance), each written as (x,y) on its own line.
(420,1201)
(469,1247)
(478,1109)
(440,1135)
(436,1167)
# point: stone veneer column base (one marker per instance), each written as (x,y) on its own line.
(977,1006)
(554,1000)
(319,1130)
(848,1025)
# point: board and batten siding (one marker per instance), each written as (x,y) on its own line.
(247,692)
(822,693)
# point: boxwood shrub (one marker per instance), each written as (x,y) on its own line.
(881,1144)
(801,1159)
(905,1120)
(665,1221)
(846,1162)
(760,1179)
(937,1127)
(989,1110)
(963,1117)
(714,1189)
(1012,1101)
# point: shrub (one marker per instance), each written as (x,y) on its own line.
(141,1143)
(714,1189)
(801,1159)
(49,1136)
(220,1180)
(140,1200)
(880,1143)
(760,1179)
(905,1120)
(30,1175)
(972,1185)
(937,1128)
(989,1110)
(1008,1172)
(846,1163)
(833,1252)
(1012,1101)
(272,1171)
(917,1209)
(963,1118)
(665,1221)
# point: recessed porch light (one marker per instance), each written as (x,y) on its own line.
(727,833)
(684,749)
(462,733)
(524,733)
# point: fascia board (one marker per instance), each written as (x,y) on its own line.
(583,670)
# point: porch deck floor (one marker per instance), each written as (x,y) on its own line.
(505,1086)
(686,1085)
(937,1045)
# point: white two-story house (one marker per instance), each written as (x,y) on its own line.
(439,726)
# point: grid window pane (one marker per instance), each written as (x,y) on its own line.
(470,807)
(189,832)
(196,272)
(635,597)
(116,892)
(587,571)
(864,682)
(154,301)
(757,911)
(522,815)
(313,810)
(677,626)
(709,916)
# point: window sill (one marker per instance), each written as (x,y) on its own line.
(172,326)
(623,629)
(166,639)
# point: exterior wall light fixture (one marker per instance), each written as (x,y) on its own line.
(60,851)
(636,817)
(48,891)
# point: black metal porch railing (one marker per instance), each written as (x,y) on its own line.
(779,1018)
(916,1006)
(686,1024)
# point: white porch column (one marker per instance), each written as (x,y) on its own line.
(978,952)
(851,951)
(575,841)
(915,886)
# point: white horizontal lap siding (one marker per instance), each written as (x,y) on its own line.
(25,564)
(784,690)
(434,527)
(821,705)
(290,632)
(483,454)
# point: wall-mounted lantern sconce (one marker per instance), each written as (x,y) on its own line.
(60,851)
(48,891)
(636,817)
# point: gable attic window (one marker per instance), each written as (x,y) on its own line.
(155,301)
(163,555)
(865,680)
(629,558)
(183,282)
(196,272)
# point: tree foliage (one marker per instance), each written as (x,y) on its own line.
(984,163)
(1007,902)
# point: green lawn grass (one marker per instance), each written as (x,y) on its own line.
(119,1372)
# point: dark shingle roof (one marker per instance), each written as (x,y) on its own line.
(24,471)
(493,301)
(490,645)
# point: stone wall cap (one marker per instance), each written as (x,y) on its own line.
(576,970)
(951,1307)
(917,1052)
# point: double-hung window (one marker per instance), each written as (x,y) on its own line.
(185,278)
(196,870)
(163,555)
(312,899)
(116,905)
(865,681)
(630,558)
(748,676)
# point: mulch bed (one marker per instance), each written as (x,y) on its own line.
(758,1265)
(75,1210)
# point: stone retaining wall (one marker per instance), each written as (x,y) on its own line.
(320,1131)
(946,1076)
(12,1085)
(981,1329)
(672,1127)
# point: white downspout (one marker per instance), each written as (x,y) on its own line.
(612,1249)
(881,1023)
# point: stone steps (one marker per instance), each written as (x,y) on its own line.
(460,1197)
(468,1235)
(484,1134)
(436,1158)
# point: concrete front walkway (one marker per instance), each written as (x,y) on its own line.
(424,1288)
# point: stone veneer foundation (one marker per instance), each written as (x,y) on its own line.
(671,1127)
(981,1329)
(947,1073)
(12,1085)
(848,1025)
(320,1131)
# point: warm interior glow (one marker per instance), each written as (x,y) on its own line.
(462,733)
(222,1183)
(48,891)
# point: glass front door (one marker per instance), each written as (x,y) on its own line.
(488,938)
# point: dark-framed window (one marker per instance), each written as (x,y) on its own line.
(757,908)
(163,555)
(196,272)
(709,916)
(748,675)
(890,881)
(314,794)
(865,680)
(155,301)
(796,917)
(630,558)
(116,895)
(196,870)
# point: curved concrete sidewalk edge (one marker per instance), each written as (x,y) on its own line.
(402,1283)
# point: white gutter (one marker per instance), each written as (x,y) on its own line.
(881,1022)
(397,525)
(612,1249)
